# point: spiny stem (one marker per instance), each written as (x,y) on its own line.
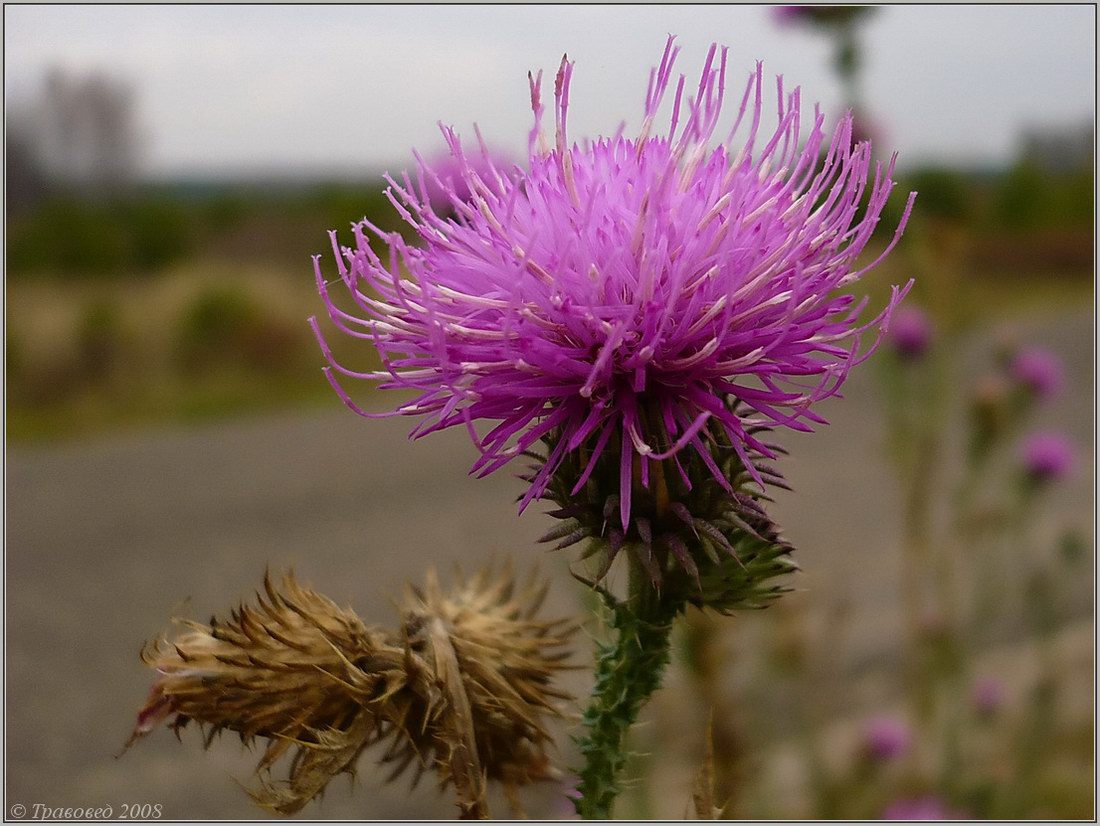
(628,671)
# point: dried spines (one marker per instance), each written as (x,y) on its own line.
(281,669)
(463,686)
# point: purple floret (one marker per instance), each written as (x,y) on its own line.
(613,295)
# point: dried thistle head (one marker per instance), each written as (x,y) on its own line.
(294,668)
(462,687)
(485,633)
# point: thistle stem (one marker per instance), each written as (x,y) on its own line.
(628,671)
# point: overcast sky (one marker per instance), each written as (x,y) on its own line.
(223,88)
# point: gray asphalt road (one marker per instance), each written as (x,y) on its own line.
(105,541)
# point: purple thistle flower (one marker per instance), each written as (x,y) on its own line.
(819,15)
(988,695)
(1047,456)
(865,127)
(886,738)
(786,15)
(1039,371)
(910,332)
(614,296)
(928,807)
(447,181)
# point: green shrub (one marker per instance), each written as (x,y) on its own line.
(941,193)
(225,326)
(100,339)
(160,234)
(82,238)
(214,324)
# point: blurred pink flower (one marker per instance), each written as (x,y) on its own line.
(565,807)
(819,15)
(1047,456)
(886,738)
(1039,371)
(445,178)
(988,695)
(928,807)
(786,15)
(866,128)
(910,332)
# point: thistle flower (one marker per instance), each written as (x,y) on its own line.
(1047,457)
(910,332)
(886,738)
(1038,371)
(928,807)
(786,15)
(462,687)
(988,696)
(819,15)
(447,182)
(628,300)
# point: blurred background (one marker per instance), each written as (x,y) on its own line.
(170,170)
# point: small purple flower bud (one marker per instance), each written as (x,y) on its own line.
(886,738)
(910,332)
(1039,371)
(928,807)
(988,696)
(1047,456)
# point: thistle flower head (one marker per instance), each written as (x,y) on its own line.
(446,182)
(616,294)
(819,15)
(886,738)
(1038,371)
(928,807)
(910,332)
(464,686)
(988,695)
(1047,456)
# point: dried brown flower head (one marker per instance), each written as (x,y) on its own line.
(464,686)
(485,634)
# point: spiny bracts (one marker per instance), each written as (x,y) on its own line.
(704,543)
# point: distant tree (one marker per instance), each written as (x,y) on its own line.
(25,183)
(83,132)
